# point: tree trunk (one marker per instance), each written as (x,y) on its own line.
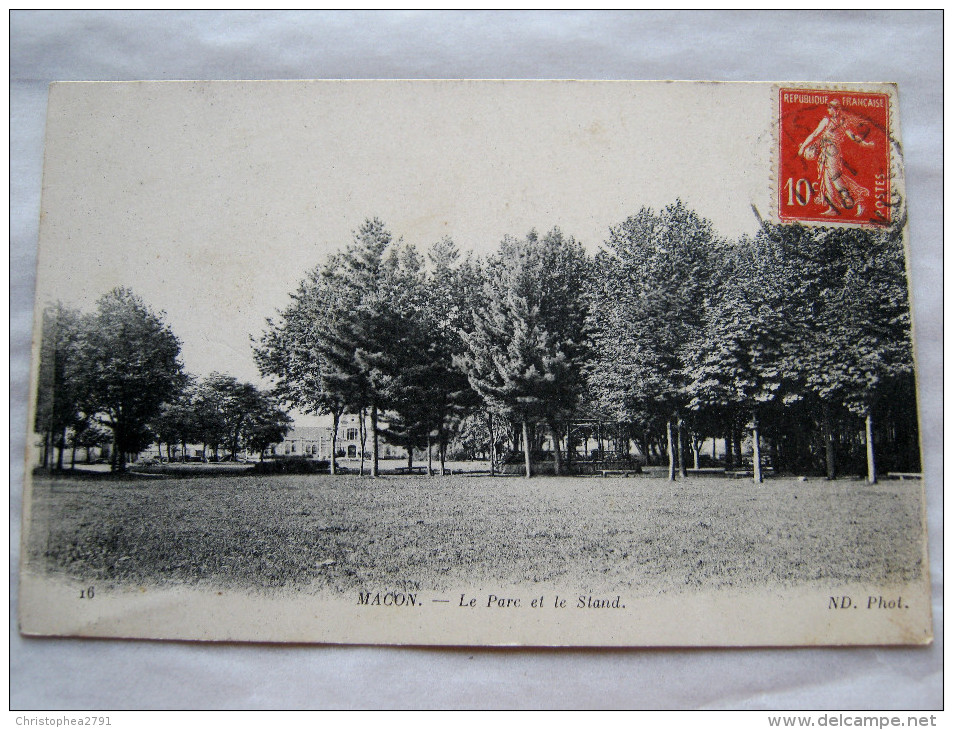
(569,447)
(72,460)
(729,461)
(529,468)
(114,457)
(829,444)
(362,434)
(696,452)
(335,422)
(60,448)
(871,466)
(681,448)
(47,440)
(429,455)
(556,455)
(375,449)
(756,451)
(489,428)
(442,448)
(410,459)
(671,450)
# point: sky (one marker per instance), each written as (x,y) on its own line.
(211,200)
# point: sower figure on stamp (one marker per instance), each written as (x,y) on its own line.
(835,187)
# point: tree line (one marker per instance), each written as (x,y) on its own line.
(112,378)
(796,340)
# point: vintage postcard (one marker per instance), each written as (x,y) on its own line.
(541,363)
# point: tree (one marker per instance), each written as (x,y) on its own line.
(298,352)
(87,434)
(128,369)
(350,342)
(394,349)
(178,423)
(449,291)
(525,354)
(737,367)
(242,402)
(654,277)
(57,395)
(266,424)
(353,339)
(806,324)
(211,429)
(229,411)
(849,303)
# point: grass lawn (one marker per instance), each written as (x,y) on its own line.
(433,533)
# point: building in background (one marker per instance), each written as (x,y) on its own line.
(314,442)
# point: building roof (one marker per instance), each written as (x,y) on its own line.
(308,433)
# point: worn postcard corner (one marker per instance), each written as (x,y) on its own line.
(475,363)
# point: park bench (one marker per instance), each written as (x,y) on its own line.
(617,472)
(410,470)
(901,475)
(706,470)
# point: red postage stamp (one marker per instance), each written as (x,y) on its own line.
(834,157)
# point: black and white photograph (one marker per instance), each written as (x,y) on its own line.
(489,362)
(476,359)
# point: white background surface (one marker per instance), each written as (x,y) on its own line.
(856,46)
